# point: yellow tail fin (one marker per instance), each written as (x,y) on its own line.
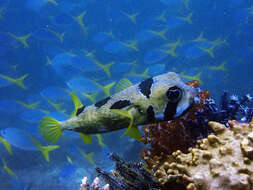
(29,106)
(105,67)
(106,88)
(6,145)
(91,97)
(19,81)
(44,149)
(69,160)
(131,131)
(89,156)
(8,170)
(50,128)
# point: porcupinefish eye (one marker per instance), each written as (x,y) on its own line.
(174,94)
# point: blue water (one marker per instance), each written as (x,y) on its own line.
(66,43)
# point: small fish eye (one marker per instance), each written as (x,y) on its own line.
(174,94)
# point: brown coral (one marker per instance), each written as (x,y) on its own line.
(223,160)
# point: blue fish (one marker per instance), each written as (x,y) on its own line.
(4,82)
(193,52)
(63,19)
(101,37)
(43,34)
(67,173)
(115,47)
(154,56)
(172,2)
(31,116)
(120,69)
(174,22)
(84,64)
(156,69)
(35,5)
(81,84)
(55,94)
(18,185)
(10,106)
(144,36)
(18,138)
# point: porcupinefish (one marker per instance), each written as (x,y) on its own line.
(160,98)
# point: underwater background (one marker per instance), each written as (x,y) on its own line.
(49,48)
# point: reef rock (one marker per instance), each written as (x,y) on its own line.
(223,160)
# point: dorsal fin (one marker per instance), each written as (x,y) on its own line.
(79,110)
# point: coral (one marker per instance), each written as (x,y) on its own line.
(128,176)
(178,134)
(181,133)
(223,160)
(94,186)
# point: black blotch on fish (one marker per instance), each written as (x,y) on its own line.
(150,114)
(170,111)
(102,102)
(80,110)
(174,94)
(120,104)
(145,87)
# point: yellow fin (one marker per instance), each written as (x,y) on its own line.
(209,50)
(79,20)
(21,39)
(132,44)
(200,38)
(89,156)
(44,149)
(105,67)
(91,97)
(8,170)
(100,140)
(58,35)
(53,2)
(50,128)
(162,17)
(106,88)
(6,145)
(143,75)
(131,131)
(86,138)
(69,160)
(195,77)
(57,106)
(220,67)
(174,44)
(29,106)
(19,81)
(187,19)
(123,84)
(77,103)
(170,51)
(132,17)
(161,34)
